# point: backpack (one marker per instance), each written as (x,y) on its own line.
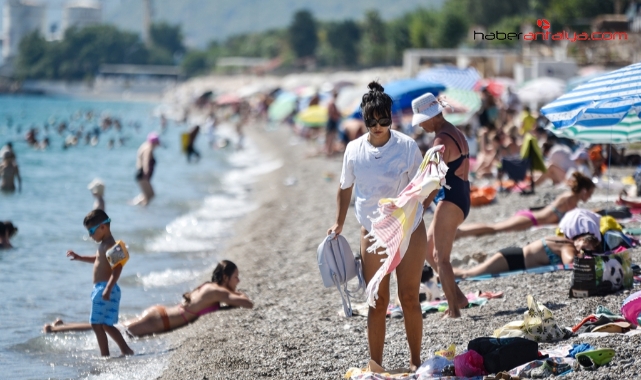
(503,354)
(338,265)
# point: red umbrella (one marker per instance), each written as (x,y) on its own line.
(227,99)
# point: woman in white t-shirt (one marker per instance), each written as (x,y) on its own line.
(379,165)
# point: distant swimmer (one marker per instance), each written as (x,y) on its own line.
(7,231)
(97,188)
(191,151)
(203,300)
(145,164)
(9,173)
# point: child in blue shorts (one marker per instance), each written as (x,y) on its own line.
(107,266)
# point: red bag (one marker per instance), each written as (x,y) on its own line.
(469,364)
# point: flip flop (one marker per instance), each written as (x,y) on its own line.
(598,357)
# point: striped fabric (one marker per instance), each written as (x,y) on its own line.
(451,77)
(627,131)
(600,102)
(392,229)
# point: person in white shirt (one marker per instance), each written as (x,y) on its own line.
(379,165)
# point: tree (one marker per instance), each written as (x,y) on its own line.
(31,50)
(195,62)
(167,37)
(451,28)
(302,34)
(344,37)
(398,37)
(373,43)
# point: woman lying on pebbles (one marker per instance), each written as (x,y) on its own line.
(581,189)
(546,251)
(203,300)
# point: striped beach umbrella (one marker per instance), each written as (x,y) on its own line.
(464,104)
(451,77)
(627,131)
(601,102)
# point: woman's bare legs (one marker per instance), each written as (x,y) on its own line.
(515,223)
(376,316)
(495,264)
(408,274)
(447,218)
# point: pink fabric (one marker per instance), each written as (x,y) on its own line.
(393,228)
(528,214)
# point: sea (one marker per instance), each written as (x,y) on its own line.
(174,243)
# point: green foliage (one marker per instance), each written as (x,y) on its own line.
(196,63)
(343,38)
(398,39)
(303,37)
(167,37)
(570,12)
(373,47)
(509,25)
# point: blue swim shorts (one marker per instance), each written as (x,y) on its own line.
(104,312)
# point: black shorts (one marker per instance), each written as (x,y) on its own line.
(332,126)
(514,257)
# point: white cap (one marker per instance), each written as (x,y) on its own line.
(425,107)
(97,187)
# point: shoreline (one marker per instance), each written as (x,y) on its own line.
(295,331)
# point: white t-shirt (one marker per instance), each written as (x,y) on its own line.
(381,172)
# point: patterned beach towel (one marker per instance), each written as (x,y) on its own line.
(392,228)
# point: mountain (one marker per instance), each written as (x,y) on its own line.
(204,20)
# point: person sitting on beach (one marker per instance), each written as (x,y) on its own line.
(546,251)
(581,189)
(7,231)
(205,299)
(9,172)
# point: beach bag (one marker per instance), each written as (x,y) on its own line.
(537,325)
(600,275)
(503,354)
(338,265)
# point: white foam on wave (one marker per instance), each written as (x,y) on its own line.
(168,277)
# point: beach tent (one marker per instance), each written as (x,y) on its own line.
(463,105)
(604,101)
(451,77)
(404,91)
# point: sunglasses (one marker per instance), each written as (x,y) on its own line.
(93,229)
(383,122)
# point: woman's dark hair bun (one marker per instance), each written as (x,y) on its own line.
(375,86)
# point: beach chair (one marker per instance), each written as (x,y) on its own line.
(531,159)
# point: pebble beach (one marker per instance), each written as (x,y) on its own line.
(295,330)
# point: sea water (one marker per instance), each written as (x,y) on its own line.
(174,243)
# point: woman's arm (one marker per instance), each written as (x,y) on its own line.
(568,252)
(236,299)
(343,197)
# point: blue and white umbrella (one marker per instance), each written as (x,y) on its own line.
(451,77)
(601,102)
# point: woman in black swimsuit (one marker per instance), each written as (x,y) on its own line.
(455,205)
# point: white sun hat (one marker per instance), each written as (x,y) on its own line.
(426,107)
(97,187)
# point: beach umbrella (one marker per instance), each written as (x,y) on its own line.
(627,130)
(540,90)
(404,91)
(349,99)
(463,105)
(601,102)
(451,77)
(227,99)
(283,106)
(313,117)
(496,86)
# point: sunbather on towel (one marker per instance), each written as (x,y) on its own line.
(581,189)
(546,251)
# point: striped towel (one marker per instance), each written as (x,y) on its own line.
(392,228)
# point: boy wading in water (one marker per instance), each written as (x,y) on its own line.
(105,298)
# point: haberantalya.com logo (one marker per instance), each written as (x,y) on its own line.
(546,35)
